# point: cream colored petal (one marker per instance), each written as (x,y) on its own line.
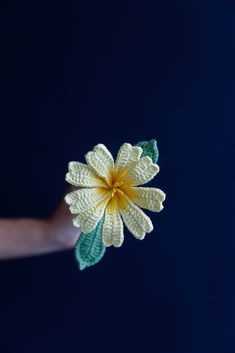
(136,221)
(84,199)
(101,161)
(89,219)
(127,156)
(113,226)
(80,174)
(149,198)
(142,172)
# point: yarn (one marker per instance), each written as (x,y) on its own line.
(111,195)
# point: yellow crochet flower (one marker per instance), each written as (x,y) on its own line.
(110,189)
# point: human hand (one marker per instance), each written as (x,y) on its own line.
(60,227)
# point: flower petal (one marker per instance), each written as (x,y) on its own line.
(137,222)
(127,156)
(113,226)
(101,161)
(89,219)
(149,198)
(142,172)
(84,199)
(80,174)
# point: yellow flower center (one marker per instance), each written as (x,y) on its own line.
(116,184)
(115,187)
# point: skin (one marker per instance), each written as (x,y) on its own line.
(29,237)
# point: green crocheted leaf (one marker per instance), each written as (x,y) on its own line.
(149,149)
(89,249)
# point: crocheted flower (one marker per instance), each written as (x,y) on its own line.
(112,192)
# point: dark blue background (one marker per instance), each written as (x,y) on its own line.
(74,74)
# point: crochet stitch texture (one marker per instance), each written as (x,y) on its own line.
(112,191)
